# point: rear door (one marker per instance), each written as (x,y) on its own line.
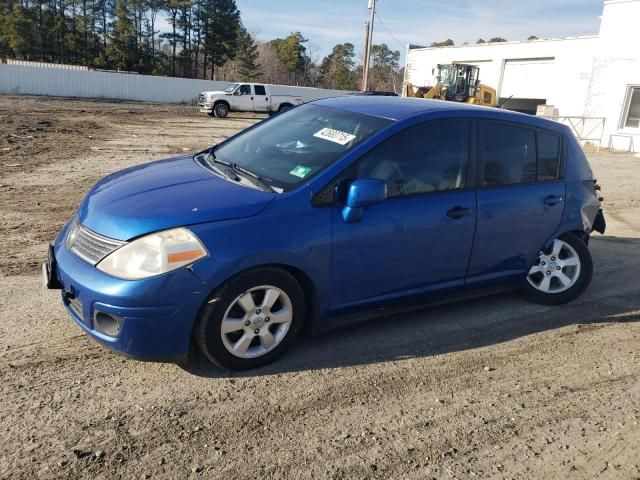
(520,199)
(261,101)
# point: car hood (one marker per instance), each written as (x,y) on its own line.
(166,194)
(215,92)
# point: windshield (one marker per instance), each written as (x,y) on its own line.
(231,88)
(448,75)
(293,147)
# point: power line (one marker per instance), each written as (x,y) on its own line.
(402,46)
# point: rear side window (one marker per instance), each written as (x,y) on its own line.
(508,153)
(260,90)
(548,156)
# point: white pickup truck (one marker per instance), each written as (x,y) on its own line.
(245,97)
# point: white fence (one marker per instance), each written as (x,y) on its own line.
(29,80)
(586,129)
(63,66)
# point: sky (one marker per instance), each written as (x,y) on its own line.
(329,22)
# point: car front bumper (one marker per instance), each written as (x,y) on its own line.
(205,107)
(150,319)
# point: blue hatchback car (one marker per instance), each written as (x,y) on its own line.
(333,211)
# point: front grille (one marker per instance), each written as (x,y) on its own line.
(88,245)
(202,99)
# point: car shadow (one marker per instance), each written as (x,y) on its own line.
(612,297)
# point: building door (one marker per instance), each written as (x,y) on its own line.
(526,83)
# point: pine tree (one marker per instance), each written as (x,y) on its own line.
(20,34)
(247,56)
(221,32)
(124,50)
(337,68)
(291,51)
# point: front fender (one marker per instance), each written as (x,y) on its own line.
(269,239)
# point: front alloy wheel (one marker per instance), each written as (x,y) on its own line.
(256,322)
(561,272)
(251,319)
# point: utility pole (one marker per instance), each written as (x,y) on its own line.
(367,53)
(365,66)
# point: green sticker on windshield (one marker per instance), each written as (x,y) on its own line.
(300,171)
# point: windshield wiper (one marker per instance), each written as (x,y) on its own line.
(229,173)
(234,168)
(252,175)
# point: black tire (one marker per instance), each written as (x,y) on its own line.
(208,335)
(580,285)
(284,107)
(220,110)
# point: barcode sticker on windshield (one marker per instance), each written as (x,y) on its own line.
(335,136)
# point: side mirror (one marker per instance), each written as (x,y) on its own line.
(363,193)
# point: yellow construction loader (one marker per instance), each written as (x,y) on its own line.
(457,83)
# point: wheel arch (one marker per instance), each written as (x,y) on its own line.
(312,313)
(572,229)
(310,295)
(562,230)
(285,105)
(218,102)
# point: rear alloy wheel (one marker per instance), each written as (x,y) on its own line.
(220,110)
(252,319)
(561,272)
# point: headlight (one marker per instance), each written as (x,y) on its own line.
(154,254)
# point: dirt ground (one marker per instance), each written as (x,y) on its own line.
(490,388)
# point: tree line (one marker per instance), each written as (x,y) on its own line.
(450,43)
(205,39)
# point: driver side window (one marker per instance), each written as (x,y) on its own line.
(428,157)
(245,89)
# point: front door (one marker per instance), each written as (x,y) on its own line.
(243,101)
(520,199)
(419,239)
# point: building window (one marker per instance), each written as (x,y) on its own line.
(633,111)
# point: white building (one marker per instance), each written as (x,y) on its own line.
(597,77)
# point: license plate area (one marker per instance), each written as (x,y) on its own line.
(76,305)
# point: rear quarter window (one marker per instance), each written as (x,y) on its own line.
(548,155)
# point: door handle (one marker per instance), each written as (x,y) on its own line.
(251,98)
(553,200)
(458,212)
